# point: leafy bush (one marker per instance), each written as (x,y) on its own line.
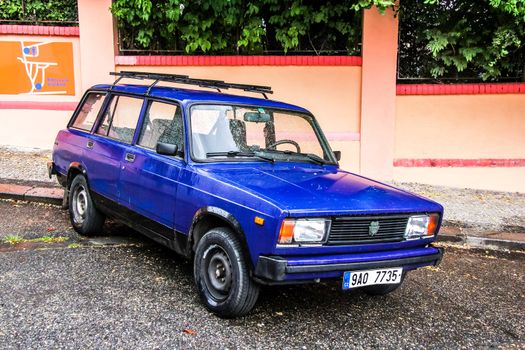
(239,26)
(481,40)
(38,11)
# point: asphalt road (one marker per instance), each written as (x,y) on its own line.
(137,295)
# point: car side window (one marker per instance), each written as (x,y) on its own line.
(87,115)
(120,118)
(162,123)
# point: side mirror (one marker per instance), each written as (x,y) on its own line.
(337,155)
(167,149)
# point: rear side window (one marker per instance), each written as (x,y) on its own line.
(162,123)
(120,119)
(89,111)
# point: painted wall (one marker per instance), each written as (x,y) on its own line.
(402,132)
(30,128)
(331,93)
(97,41)
(378,93)
(465,127)
(28,120)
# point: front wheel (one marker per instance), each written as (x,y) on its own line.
(222,274)
(85,218)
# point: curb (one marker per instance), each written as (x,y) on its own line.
(32,193)
(482,242)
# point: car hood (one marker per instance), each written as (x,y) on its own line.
(316,190)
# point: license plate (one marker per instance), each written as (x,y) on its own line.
(355,279)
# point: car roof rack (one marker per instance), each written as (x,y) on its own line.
(184,79)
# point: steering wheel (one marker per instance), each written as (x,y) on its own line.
(281,142)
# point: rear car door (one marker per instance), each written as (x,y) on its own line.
(148,179)
(106,148)
(73,144)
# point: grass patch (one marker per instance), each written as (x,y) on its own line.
(14,239)
(73,245)
(48,239)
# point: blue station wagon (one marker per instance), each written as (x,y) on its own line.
(248,188)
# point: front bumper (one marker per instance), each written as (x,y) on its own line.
(277,269)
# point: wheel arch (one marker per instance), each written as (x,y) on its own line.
(210,217)
(74,169)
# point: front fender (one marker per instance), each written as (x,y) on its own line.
(216,217)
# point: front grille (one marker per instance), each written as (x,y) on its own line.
(356,229)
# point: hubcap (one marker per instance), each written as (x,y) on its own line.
(218,273)
(80,204)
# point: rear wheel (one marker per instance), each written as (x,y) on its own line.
(222,274)
(85,218)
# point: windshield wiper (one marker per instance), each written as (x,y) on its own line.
(313,157)
(232,154)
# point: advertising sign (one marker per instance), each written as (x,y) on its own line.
(37,68)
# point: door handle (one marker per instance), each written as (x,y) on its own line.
(130,157)
(90,144)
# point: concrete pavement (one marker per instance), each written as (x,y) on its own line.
(95,293)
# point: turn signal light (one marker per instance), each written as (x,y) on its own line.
(258,220)
(432,224)
(286,233)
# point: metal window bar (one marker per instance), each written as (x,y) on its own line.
(184,79)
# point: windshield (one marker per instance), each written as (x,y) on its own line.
(220,132)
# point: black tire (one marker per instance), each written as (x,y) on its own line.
(222,274)
(383,289)
(85,218)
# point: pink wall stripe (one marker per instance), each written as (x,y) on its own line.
(238,60)
(54,106)
(39,30)
(460,89)
(459,163)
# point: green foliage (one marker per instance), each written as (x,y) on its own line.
(36,11)
(13,239)
(479,39)
(443,39)
(382,5)
(240,26)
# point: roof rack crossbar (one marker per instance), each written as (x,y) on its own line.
(184,79)
(115,82)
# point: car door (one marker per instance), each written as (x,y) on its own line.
(106,147)
(75,143)
(149,180)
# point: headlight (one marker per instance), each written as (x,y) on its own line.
(303,231)
(421,226)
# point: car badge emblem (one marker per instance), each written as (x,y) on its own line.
(373,228)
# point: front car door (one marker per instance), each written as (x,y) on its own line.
(149,180)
